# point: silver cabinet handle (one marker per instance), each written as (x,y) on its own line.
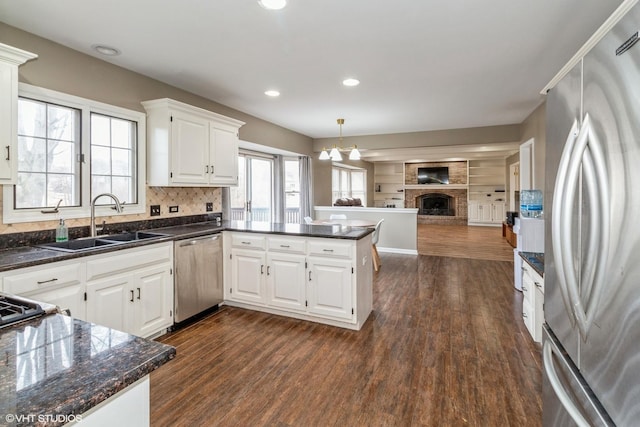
(524,315)
(327,250)
(246,243)
(42,282)
(262,269)
(538,284)
(285,246)
(131,295)
(524,289)
(207,169)
(268,269)
(138,292)
(8,152)
(309,275)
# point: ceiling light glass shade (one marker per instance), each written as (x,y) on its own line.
(273,4)
(324,155)
(335,155)
(355,154)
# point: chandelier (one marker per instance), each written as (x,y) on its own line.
(334,154)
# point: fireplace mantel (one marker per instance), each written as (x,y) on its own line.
(436,187)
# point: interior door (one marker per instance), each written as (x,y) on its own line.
(252,199)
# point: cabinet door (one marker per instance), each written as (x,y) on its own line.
(498,215)
(485,212)
(247,275)
(66,297)
(330,287)
(189,149)
(110,302)
(223,157)
(153,289)
(286,281)
(8,121)
(474,212)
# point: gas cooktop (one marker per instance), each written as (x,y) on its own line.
(14,309)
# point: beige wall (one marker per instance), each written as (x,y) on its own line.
(62,69)
(535,127)
(322,195)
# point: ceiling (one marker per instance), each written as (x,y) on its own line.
(423,65)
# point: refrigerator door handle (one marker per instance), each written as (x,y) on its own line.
(560,212)
(565,400)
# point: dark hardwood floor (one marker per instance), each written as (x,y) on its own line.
(444,346)
(461,241)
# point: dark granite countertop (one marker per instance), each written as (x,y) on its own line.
(56,365)
(27,256)
(535,260)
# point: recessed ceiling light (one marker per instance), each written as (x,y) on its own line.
(105,50)
(272,93)
(351,82)
(273,4)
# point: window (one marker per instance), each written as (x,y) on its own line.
(48,146)
(71,149)
(252,199)
(347,182)
(292,190)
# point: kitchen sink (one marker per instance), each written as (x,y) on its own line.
(130,237)
(79,245)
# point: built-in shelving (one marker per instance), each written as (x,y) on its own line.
(389,185)
(486,180)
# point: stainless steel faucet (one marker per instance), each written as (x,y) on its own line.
(118,209)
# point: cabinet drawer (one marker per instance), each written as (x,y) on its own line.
(42,278)
(117,262)
(248,241)
(327,248)
(286,245)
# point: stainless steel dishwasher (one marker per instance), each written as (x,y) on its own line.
(198,280)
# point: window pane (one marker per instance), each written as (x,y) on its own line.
(61,187)
(121,162)
(113,157)
(121,187)
(61,156)
(32,118)
(100,130)
(238,194)
(121,134)
(335,180)
(291,175)
(357,182)
(32,154)
(31,190)
(260,190)
(100,160)
(61,123)
(292,200)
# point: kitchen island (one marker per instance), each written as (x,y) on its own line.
(56,369)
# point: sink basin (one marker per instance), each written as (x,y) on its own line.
(130,237)
(78,245)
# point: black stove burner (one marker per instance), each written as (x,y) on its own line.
(13,310)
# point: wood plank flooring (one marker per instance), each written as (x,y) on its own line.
(461,241)
(445,346)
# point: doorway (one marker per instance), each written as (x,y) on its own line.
(252,199)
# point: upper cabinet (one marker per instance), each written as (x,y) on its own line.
(10,59)
(190,147)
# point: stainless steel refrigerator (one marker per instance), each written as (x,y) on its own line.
(591,343)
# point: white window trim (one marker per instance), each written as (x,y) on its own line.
(11,215)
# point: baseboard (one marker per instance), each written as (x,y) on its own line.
(397,251)
(484,224)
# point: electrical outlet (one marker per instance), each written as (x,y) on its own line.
(209,207)
(173,209)
(155,210)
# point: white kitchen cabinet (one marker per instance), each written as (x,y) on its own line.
(10,59)
(60,283)
(532,301)
(248,275)
(330,287)
(484,213)
(318,279)
(132,290)
(190,146)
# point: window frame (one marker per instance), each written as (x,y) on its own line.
(342,168)
(12,215)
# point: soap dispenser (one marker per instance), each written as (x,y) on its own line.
(62,233)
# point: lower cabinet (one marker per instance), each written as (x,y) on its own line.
(130,290)
(330,287)
(318,279)
(485,213)
(532,301)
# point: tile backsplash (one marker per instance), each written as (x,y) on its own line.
(190,200)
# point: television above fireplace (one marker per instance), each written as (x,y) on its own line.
(433,175)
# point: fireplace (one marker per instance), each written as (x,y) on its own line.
(436,204)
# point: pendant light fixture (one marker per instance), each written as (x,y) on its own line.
(334,154)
